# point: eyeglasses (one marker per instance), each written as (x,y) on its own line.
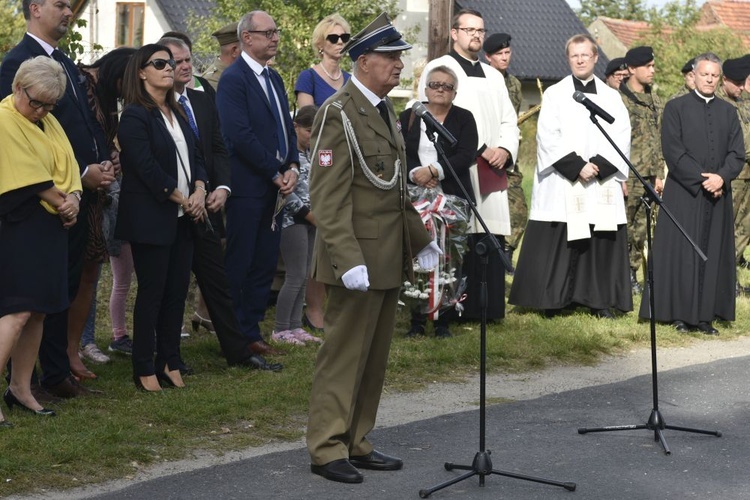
(474,31)
(582,57)
(334,38)
(160,64)
(35,104)
(267,33)
(448,87)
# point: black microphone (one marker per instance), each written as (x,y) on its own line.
(592,106)
(421,111)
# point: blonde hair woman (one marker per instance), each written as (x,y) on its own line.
(40,190)
(316,84)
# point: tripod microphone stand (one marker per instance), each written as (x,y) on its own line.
(655,421)
(482,464)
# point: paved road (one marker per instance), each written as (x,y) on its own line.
(535,437)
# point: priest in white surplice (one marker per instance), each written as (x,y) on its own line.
(482,91)
(575,249)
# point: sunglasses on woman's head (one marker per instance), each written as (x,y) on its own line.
(334,38)
(160,64)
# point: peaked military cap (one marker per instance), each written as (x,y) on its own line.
(379,36)
(226,34)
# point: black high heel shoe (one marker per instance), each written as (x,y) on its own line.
(308,324)
(11,401)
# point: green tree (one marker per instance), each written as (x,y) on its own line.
(12,25)
(633,10)
(297,19)
(673,48)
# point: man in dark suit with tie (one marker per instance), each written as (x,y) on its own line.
(47,22)
(208,256)
(262,144)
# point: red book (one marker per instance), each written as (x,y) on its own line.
(491,180)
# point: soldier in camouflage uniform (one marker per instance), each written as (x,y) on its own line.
(689,76)
(229,52)
(645,109)
(498,53)
(736,72)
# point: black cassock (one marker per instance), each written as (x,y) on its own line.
(696,137)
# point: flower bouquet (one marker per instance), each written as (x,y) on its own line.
(446,218)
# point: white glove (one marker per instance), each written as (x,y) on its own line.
(356,278)
(429,256)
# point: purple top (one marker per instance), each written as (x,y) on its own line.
(310,82)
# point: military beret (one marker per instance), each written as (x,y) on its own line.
(689,66)
(495,42)
(616,64)
(226,34)
(639,56)
(738,69)
(379,36)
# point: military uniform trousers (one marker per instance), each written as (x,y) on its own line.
(741,203)
(519,210)
(350,371)
(636,222)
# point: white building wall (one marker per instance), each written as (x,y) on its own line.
(101,16)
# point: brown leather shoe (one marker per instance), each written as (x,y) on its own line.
(42,396)
(261,347)
(70,388)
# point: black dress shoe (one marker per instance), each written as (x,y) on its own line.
(442,332)
(415,331)
(680,326)
(707,328)
(257,362)
(376,461)
(339,470)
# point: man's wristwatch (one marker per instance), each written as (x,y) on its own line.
(77,194)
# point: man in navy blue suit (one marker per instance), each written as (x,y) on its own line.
(259,135)
(47,22)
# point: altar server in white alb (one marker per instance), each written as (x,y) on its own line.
(482,91)
(575,251)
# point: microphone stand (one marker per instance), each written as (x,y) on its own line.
(482,464)
(655,421)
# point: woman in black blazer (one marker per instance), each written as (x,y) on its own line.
(424,166)
(163,192)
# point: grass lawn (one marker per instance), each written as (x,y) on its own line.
(113,436)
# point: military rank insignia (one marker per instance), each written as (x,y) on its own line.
(325,158)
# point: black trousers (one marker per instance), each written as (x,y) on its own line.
(53,351)
(163,273)
(208,267)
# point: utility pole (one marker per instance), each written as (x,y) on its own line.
(438,36)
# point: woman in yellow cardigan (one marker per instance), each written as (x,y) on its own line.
(40,188)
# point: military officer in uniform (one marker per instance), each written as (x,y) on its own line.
(367,233)
(616,71)
(736,72)
(644,109)
(229,51)
(498,52)
(688,74)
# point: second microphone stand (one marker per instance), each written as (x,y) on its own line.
(655,420)
(482,464)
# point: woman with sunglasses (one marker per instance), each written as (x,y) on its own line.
(40,190)
(426,168)
(163,191)
(316,84)
(313,87)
